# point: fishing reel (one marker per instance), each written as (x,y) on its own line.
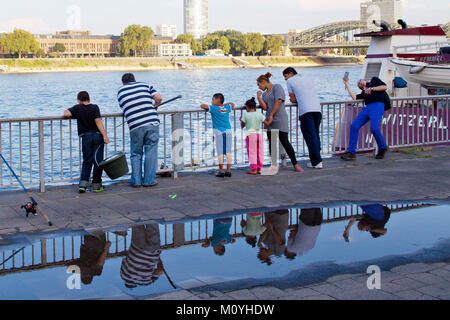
(30,207)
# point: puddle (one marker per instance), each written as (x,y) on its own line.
(151,259)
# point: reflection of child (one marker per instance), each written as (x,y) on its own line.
(252,227)
(221,236)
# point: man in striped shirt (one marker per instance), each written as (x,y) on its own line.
(142,265)
(139,102)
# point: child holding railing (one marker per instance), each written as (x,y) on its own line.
(252,121)
(220,113)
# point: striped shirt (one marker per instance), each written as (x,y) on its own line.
(139,266)
(137,104)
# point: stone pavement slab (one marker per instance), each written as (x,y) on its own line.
(394,286)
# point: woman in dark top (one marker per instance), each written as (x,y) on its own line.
(271,98)
(373,93)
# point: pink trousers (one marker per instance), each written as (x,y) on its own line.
(255,151)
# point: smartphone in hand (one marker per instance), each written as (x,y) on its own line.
(346,75)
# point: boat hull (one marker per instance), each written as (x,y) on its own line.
(425,74)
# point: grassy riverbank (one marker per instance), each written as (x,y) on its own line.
(143,64)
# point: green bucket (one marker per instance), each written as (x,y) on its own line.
(115,166)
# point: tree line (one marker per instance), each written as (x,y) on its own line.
(234,42)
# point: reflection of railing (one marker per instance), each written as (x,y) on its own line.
(64,251)
(46,150)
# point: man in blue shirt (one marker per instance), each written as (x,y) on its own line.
(220,114)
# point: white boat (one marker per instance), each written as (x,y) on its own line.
(425,74)
(407,46)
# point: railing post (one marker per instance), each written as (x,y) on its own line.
(41,157)
(177,143)
(179,234)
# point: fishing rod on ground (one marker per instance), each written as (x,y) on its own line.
(163,103)
(32,206)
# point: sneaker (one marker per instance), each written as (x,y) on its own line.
(271,171)
(136,186)
(150,185)
(228,174)
(382,153)
(252,172)
(101,189)
(348,156)
(220,175)
(82,190)
(319,166)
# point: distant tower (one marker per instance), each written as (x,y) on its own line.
(387,10)
(196,17)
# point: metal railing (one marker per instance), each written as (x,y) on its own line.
(47,150)
(64,251)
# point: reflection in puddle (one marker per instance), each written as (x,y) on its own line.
(151,258)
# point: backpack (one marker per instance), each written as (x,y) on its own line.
(387,102)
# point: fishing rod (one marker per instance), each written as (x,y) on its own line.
(11,256)
(32,206)
(163,103)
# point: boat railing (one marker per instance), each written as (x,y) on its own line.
(431,47)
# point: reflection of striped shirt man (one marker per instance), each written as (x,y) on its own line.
(137,104)
(139,266)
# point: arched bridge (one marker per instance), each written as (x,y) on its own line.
(320,33)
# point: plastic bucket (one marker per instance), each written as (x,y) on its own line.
(115,166)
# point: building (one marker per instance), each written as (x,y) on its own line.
(166,31)
(196,18)
(169,50)
(215,53)
(387,10)
(80,44)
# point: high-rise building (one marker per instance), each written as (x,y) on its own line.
(166,31)
(196,17)
(387,10)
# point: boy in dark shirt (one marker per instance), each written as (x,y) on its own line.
(373,93)
(93,137)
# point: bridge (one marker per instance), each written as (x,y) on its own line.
(318,37)
(331,45)
(323,32)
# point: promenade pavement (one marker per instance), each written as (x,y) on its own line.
(412,176)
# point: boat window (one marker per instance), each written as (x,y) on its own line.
(373,70)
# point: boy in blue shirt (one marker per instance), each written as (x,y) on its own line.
(220,114)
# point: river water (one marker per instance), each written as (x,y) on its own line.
(48,94)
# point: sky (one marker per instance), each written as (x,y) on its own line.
(265,16)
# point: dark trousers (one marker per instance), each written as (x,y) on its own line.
(284,139)
(310,126)
(91,141)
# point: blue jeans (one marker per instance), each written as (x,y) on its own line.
(310,126)
(144,140)
(374,113)
(90,142)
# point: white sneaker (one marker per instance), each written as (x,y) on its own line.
(319,166)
